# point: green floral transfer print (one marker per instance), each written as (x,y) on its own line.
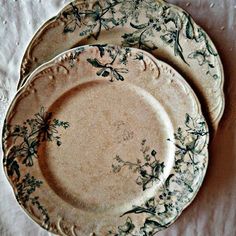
(27,139)
(206,55)
(178,189)
(74,55)
(25,188)
(159,22)
(103,15)
(149,170)
(107,69)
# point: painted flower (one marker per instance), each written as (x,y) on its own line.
(30,152)
(47,129)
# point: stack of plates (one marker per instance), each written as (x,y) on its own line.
(106,135)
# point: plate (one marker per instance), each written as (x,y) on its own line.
(165,30)
(105,140)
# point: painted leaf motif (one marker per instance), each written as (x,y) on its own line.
(210,49)
(13,168)
(178,49)
(94,62)
(117,75)
(189,122)
(101,48)
(167,183)
(103,72)
(154,224)
(73,19)
(189,29)
(141,26)
(138,210)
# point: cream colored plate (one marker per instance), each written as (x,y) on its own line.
(105,140)
(165,30)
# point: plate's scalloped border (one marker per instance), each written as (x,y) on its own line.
(61,226)
(221,105)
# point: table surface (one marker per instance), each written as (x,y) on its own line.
(213,212)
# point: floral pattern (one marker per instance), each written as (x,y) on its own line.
(107,69)
(27,139)
(149,170)
(160,20)
(179,188)
(25,189)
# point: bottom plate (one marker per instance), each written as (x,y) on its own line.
(105,140)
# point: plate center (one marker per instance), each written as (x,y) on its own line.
(115,153)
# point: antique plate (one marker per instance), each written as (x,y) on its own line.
(165,30)
(105,140)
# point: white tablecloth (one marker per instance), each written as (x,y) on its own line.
(213,212)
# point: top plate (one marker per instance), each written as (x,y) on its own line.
(105,141)
(165,30)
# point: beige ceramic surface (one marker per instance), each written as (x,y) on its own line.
(156,26)
(113,125)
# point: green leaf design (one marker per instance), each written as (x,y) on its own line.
(167,182)
(154,224)
(111,14)
(29,136)
(26,139)
(149,207)
(13,168)
(117,75)
(160,211)
(149,171)
(94,62)
(178,49)
(103,72)
(141,26)
(101,48)
(107,69)
(95,19)
(172,38)
(189,27)
(25,189)
(210,49)
(73,17)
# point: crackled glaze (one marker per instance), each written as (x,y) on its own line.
(106,117)
(165,30)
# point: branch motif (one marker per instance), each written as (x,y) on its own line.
(161,21)
(107,69)
(178,189)
(149,170)
(28,137)
(25,190)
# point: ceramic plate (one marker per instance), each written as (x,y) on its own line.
(105,140)
(165,30)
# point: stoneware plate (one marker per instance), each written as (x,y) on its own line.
(165,30)
(105,140)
